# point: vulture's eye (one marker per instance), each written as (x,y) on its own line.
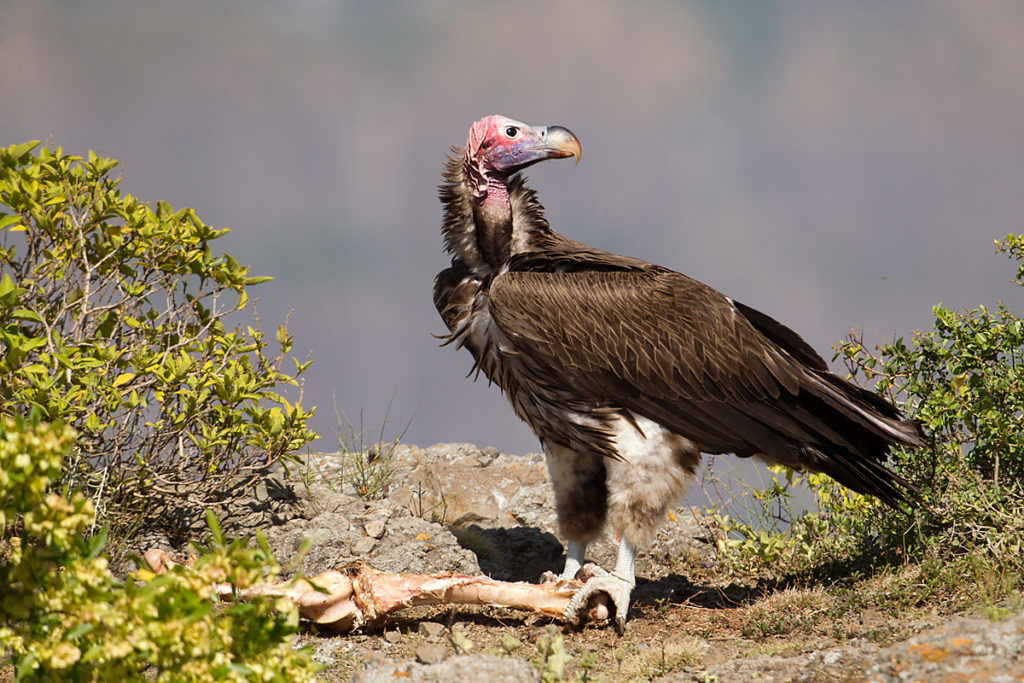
(511,132)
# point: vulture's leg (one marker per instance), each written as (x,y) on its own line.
(581,500)
(655,468)
(575,551)
(625,563)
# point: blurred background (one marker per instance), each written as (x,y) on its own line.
(837,165)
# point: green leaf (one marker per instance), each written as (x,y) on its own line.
(214,524)
(18,151)
(79,631)
(97,542)
(25,314)
(241,608)
(35,368)
(123,378)
(9,220)
(93,652)
(7,285)
(26,666)
(259,279)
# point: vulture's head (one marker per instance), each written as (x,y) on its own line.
(499,146)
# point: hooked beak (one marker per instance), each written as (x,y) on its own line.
(559,142)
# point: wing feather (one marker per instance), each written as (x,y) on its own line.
(658,342)
(662,345)
(659,331)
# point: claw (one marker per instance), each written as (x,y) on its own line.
(560,579)
(590,603)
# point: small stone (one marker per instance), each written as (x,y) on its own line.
(363,546)
(393,637)
(374,528)
(431,630)
(430,653)
(487,455)
(323,653)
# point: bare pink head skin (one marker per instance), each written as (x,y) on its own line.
(498,146)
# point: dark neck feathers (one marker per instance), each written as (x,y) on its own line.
(485,226)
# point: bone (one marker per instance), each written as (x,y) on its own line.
(348,598)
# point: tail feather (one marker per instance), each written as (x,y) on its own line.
(870,426)
(867,476)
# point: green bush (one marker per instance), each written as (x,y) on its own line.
(112,320)
(64,617)
(964,379)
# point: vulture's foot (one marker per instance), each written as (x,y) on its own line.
(550,577)
(599,586)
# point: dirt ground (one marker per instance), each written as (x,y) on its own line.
(454,507)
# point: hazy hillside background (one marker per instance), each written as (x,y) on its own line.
(834,164)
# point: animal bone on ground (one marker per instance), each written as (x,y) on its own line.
(344,599)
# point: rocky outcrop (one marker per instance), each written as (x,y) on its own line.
(455,507)
(963,649)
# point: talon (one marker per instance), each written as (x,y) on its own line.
(590,571)
(549,577)
(590,603)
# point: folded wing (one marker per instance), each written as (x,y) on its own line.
(667,347)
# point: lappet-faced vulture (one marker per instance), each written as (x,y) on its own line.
(628,371)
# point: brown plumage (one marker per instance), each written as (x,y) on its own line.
(626,370)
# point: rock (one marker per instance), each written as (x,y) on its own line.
(430,653)
(502,508)
(454,507)
(363,546)
(488,454)
(431,630)
(964,649)
(416,545)
(464,453)
(450,507)
(490,668)
(517,553)
(323,652)
(336,536)
(449,484)
(374,528)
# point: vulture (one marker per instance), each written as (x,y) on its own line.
(628,371)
